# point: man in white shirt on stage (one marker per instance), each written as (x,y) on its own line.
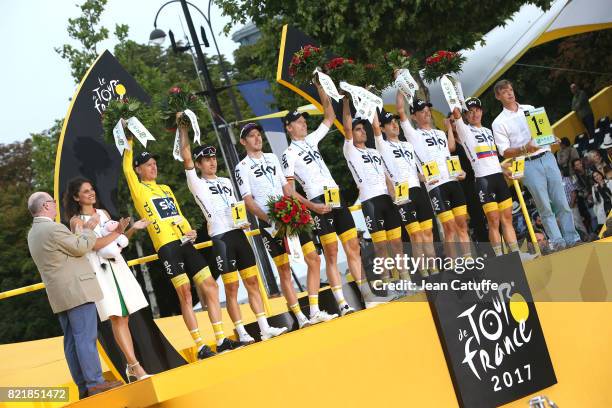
(542,175)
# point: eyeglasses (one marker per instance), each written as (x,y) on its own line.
(206,152)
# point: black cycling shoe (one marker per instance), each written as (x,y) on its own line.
(205,352)
(228,345)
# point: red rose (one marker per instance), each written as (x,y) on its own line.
(306,53)
(286,218)
(292,71)
(175,90)
(404,53)
(304,219)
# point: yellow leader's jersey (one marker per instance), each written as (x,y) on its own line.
(156,203)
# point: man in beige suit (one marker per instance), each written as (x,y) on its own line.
(72,289)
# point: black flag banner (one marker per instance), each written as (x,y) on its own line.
(490,332)
(82,152)
(292,40)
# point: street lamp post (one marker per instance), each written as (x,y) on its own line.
(229,150)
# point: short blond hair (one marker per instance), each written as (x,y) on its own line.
(501,84)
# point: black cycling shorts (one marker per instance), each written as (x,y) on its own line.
(448,201)
(233,255)
(276,246)
(382,218)
(493,192)
(417,214)
(336,223)
(182,262)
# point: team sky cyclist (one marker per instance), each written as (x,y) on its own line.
(233,254)
(433,150)
(259,177)
(172,238)
(371,175)
(493,191)
(417,215)
(302,161)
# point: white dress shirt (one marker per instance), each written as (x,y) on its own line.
(510,129)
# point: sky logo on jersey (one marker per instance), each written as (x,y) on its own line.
(433,141)
(219,189)
(371,159)
(486,151)
(261,170)
(399,153)
(165,207)
(483,138)
(311,156)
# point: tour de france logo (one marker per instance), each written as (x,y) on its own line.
(105,92)
(493,330)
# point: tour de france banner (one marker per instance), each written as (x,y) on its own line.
(490,333)
(82,151)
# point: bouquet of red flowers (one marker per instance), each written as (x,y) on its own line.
(345,69)
(402,59)
(304,62)
(377,76)
(289,215)
(178,100)
(121,109)
(442,63)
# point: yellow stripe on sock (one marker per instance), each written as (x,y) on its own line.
(218,329)
(313,299)
(295,308)
(197,338)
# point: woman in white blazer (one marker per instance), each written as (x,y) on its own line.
(122,293)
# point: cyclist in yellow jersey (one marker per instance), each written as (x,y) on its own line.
(173,237)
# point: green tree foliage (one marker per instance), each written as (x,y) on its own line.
(543,75)
(28,316)
(355,28)
(44,149)
(86,30)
